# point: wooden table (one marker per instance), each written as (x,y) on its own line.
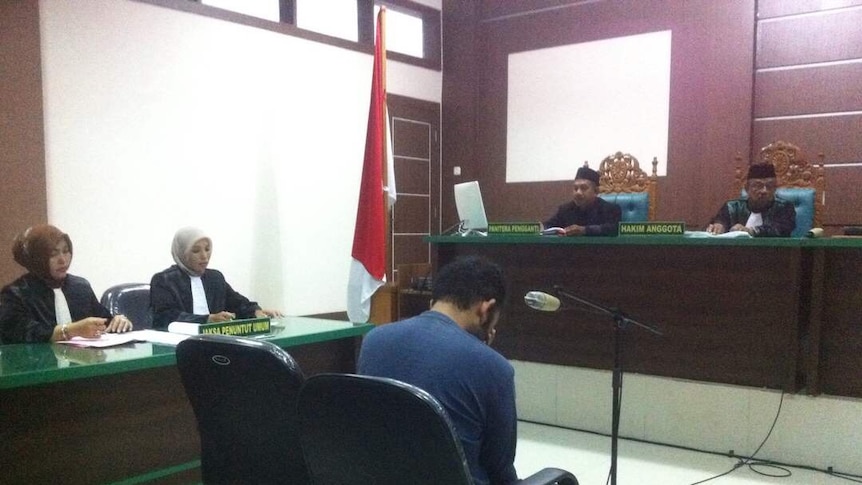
(121,414)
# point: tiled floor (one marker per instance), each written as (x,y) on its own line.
(587,456)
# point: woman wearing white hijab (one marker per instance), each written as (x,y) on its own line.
(189,291)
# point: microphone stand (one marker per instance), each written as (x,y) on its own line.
(621,321)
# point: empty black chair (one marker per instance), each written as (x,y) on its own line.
(362,430)
(131,300)
(244,395)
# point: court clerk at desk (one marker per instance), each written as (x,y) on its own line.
(188,291)
(762,214)
(586,214)
(48,304)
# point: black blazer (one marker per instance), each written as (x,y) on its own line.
(171,297)
(27,307)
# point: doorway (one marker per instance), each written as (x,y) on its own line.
(416,153)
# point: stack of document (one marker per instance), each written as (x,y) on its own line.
(112,339)
(726,235)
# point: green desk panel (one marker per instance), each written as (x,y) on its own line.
(621,241)
(30,364)
(120,414)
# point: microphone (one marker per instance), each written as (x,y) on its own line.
(539,300)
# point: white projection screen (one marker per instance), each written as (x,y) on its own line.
(583,102)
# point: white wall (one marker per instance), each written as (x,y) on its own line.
(820,431)
(157,119)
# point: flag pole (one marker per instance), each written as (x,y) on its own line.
(370,258)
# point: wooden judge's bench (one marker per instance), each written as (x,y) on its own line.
(779,313)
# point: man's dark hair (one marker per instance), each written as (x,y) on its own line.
(468,280)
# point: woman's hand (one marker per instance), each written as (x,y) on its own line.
(90,327)
(220,317)
(119,324)
(268,313)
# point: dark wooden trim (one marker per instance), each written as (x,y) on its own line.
(365,21)
(287,11)
(806,39)
(840,341)
(366,26)
(781,8)
(812,336)
(780,93)
(23,189)
(340,316)
(836,137)
(242,19)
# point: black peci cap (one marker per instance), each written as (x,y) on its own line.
(587,173)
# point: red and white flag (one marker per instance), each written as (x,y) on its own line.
(368,264)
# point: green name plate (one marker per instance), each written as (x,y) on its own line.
(514,228)
(652,228)
(251,326)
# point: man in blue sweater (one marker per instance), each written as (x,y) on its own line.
(446,352)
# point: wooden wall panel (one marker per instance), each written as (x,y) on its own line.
(815,102)
(495,9)
(778,8)
(411,249)
(23,195)
(843,197)
(412,138)
(710,113)
(839,138)
(805,39)
(412,176)
(411,214)
(821,89)
(841,338)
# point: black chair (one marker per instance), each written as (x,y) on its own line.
(131,300)
(361,430)
(244,394)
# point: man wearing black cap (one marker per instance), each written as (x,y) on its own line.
(587,214)
(761,214)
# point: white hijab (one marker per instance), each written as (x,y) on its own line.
(184,239)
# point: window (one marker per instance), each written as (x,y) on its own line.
(403,32)
(331,17)
(413,29)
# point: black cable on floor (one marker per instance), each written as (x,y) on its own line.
(740,463)
(748,461)
(781,472)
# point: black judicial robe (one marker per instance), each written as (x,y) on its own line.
(601,218)
(171,297)
(27,307)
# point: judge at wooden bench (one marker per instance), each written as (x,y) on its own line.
(761,214)
(586,214)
